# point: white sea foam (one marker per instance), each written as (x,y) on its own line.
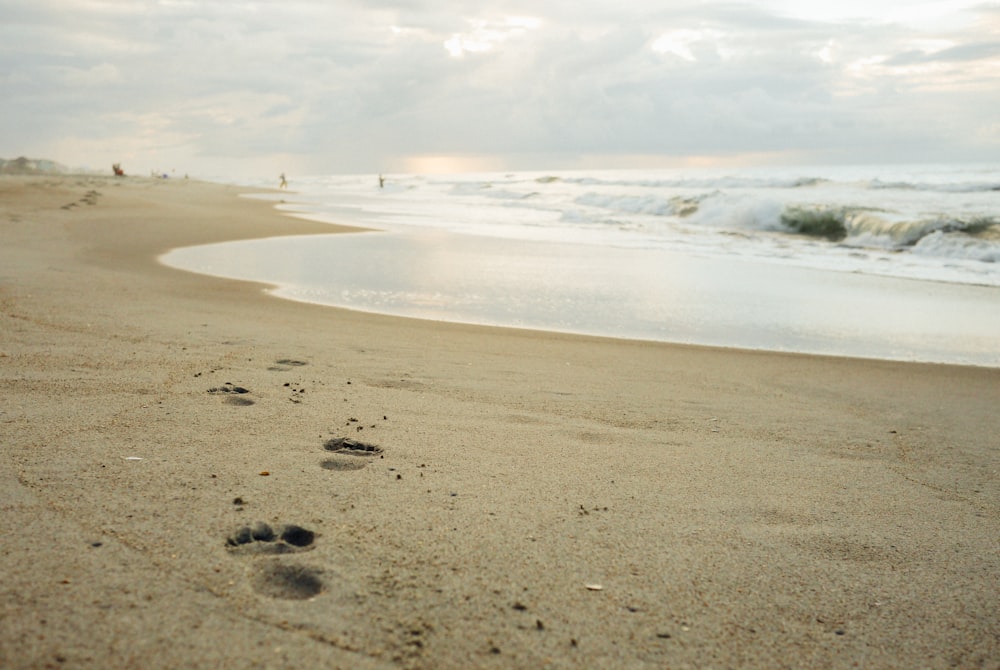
(739,211)
(958,246)
(878,208)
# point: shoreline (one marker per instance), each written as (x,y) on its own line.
(375,275)
(735,507)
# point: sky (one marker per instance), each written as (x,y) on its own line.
(256,88)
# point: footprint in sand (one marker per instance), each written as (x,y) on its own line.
(348,454)
(285,364)
(290,582)
(343,463)
(234,394)
(262,539)
(276,579)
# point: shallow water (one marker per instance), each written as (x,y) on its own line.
(636,293)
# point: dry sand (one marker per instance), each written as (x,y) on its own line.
(540,500)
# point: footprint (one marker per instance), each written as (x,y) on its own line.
(345,445)
(235,394)
(348,454)
(262,539)
(343,463)
(228,388)
(285,364)
(297,393)
(290,582)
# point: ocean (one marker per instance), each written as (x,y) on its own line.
(886,262)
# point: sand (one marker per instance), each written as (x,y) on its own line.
(500,498)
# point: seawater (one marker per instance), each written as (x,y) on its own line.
(882,262)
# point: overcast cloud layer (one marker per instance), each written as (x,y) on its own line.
(253,88)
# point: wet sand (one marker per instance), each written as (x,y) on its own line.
(198,474)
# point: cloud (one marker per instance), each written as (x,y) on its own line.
(363,86)
(485,35)
(961,53)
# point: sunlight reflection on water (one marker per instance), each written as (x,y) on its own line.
(617,292)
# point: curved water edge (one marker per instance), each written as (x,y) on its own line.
(630,293)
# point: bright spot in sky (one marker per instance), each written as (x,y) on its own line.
(677,42)
(485,35)
(680,43)
(826,53)
(425,164)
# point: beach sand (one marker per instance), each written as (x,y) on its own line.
(534,500)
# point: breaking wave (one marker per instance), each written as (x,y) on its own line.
(939,222)
(972,237)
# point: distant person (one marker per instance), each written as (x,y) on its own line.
(381,181)
(284,182)
(119,172)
